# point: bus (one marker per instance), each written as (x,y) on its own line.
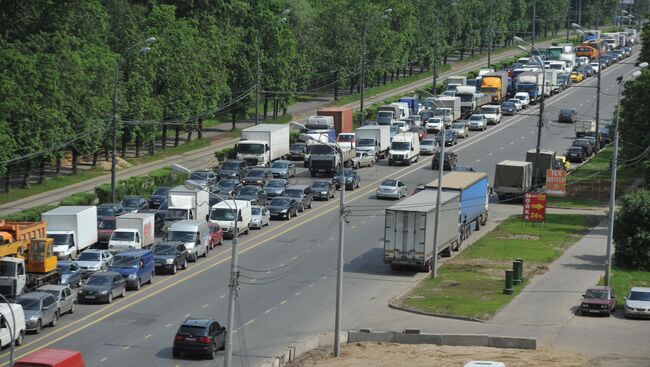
(592,49)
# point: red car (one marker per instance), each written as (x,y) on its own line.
(52,358)
(216,235)
(598,300)
(105,228)
(422,133)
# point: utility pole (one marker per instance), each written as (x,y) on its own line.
(489,60)
(257,86)
(540,124)
(232,294)
(441,167)
(435,56)
(598,103)
(114,131)
(579,11)
(534,22)
(339,265)
(362,84)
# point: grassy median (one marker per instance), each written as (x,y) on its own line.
(471,284)
(623,280)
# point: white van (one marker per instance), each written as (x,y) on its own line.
(7,322)
(194,234)
(404,110)
(222,214)
(404,148)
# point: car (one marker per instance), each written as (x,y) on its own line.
(322,190)
(568,115)
(591,135)
(70,273)
(461,129)
(109,210)
(403,127)
(302,194)
(518,104)
(450,138)
(477,122)
(255,194)
(429,146)
(637,302)
(216,235)
(105,228)
(561,162)
(169,256)
(349,179)
(283,207)
(595,66)
(585,145)
(233,168)
(577,77)
(576,154)
(415,120)
(297,151)
(592,140)
(260,216)
(394,130)
(605,134)
(102,287)
(40,309)
(433,125)
(628,50)
(449,162)
(199,336)
(621,52)
(204,175)
(256,176)
(275,187)
(586,139)
(133,204)
(464,169)
(524,97)
(137,266)
(230,186)
(422,133)
(598,300)
(283,169)
(363,159)
(65,298)
(92,260)
(586,70)
(508,108)
(564,81)
(393,189)
(606,61)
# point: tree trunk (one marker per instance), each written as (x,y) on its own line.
(57,171)
(233,116)
(164,136)
(138,143)
(351,85)
(125,138)
(189,134)
(8,179)
(106,157)
(95,158)
(336,85)
(275,107)
(411,70)
(385,77)
(28,168)
(75,157)
(199,132)
(177,134)
(266,107)
(41,170)
(444,57)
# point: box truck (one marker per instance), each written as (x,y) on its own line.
(342,117)
(387,114)
(413,102)
(133,231)
(73,229)
(470,101)
(223,213)
(409,230)
(545,162)
(531,83)
(374,140)
(496,85)
(455,81)
(583,127)
(447,108)
(262,144)
(512,179)
(185,203)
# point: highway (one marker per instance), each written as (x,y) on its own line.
(288,270)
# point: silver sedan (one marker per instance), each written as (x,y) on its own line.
(391,189)
(461,129)
(260,216)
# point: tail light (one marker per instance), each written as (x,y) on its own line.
(205,339)
(178,338)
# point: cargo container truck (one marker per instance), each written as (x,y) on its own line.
(584,127)
(546,161)
(387,114)
(413,102)
(455,81)
(73,229)
(496,85)
(447,108)
(470,100)
(531,83)
(186,203)
(342,117)
(133,231)
(373,140)
(512,179)
(326,159)
(262,144)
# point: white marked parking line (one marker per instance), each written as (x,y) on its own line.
(324,277)
(512,142)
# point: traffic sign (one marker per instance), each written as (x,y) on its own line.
(535,207)
(556,182)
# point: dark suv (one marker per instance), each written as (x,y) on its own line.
(233,168)
(586,145)
(568,115)
(257,176)
(199,336)
(449,163)
(302,194)
(169,256)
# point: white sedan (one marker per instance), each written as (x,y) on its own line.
(517,103)
(260,216)
(391,189)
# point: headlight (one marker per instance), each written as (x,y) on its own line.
(33,318)
(629,308)
(169,261)
(132,276)
(323,192)
(284,210)
(103,292)
(603,306)
(80,291)
(585,305)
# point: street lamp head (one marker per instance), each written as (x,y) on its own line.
(517,39)
(388,11)
(194,185)
(580,31)
(145,50)
(150,40)
(181,169)
(624,11)
(636,73)
(297,125)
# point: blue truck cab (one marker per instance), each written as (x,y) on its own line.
(136,267)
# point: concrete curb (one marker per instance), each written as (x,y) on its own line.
(297,348)
(444,316)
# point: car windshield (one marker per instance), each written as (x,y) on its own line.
(458,125)
(54,292)
(320,185)
(123,261)
(64,269)
(181,236)
(98,280)
(365,142)
(130,202)
(255,173)
(176,214)
(280,165)
(597,293)
(298,147)
(476,118)
(521,98)
(256,211)
(389,183)
(294,193)
(122,236)
(161,191)
(106,224)
(279,202)
(222,214)
(88,256)
(227,184)
(565,111)
(490,110)
(275,184)
(164,250)
(400,145)
(346,138)
(105,211)
(248,191)
(435,120)
(193,330)
(426,142)
(199,176)
(32,304)
(639,296)
(230,165)
(394,128)
(507,104)
(575,150)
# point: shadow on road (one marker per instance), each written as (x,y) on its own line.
(371,263)
(591,262)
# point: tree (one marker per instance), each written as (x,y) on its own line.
(645,48)
(631,231)
(634,126)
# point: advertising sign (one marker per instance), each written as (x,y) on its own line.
(556,182)
(535,207)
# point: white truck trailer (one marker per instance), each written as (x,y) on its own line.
(186,203)
(262,144)
(447,108)
(133,231)
(73,229)
(373,139)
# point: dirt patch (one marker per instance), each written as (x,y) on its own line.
(414,355)
(518,237)
(121,164)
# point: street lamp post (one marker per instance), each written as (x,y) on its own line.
(362,84)
(441,167)
(612,189)
(12,330)
(122,58)
(435,50)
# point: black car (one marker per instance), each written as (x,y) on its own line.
(323,190)
(158,196)
(351,179)
(205,175)
(449,163)
(102,287)
(592,140)
(450,137)
(302,194)
(298,151)
(256,176)
(228,186)
(255,194)
(575,154)
(568,115)
(134,204)
(109,210)
(586,145)
(283,207)
(564,80)
(169,256)
(233,168)
(508,108)
(199,337)
(276,187)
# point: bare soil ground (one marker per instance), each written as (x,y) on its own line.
(415,355)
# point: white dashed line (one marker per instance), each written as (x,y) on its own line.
(523,137)
(268,272)
(205,306)
(295,257)
(299,293)
(478,160)
(126,347)
(147,336)
(501,148)
(103,359)
(512,142)
(222,296)
(491,154)
(285,301)
(355,227)
(311,285)
(269,310)
(331,238)
(187,315)
(168,325)
(250,322)
(281,265)
(324,277)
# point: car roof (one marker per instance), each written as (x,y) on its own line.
(92,250)
(53,287)
(234,160)
(197,322)
(640,289)
(105,274)
(299,187)
(34,295)
(66,262)
(134,252)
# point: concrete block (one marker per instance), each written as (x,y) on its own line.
(411,331)
(417,339)
(377,336)
(511,342)
(464,340)
(306,345)
(365,330)
(327,339)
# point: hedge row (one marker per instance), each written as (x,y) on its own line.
(30,215)
(80,198)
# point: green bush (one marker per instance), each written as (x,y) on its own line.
(167,177)
(104,194)
(80,198)
(631,233)
(294,136)
(225,153)
(30,215)
(138,185)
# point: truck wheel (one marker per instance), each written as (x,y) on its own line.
(54,319)
(19,339)
(313,174)
(184,264)
(151,278)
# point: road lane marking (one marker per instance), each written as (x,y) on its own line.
(147,336)
(311,285)
(295,257)
(205,306)
(523,137)
(187,315)
(103,359)
(324,277)
(250,322)
(501,148)
(285,301)
(489,154)
(269,310)
(126,347)
(297,294)
(512,142)
(222,296)
(478,160)
(168,325)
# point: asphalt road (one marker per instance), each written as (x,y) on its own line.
(288,270)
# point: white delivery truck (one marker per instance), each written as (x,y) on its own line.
(455,81)
(404,110)
(185,203)
(73,229)
(447,108)
(223,212)
(320,123)
(374,139)
(11,314)
(552,85)
(404,149)
(133,231)
(262,144)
